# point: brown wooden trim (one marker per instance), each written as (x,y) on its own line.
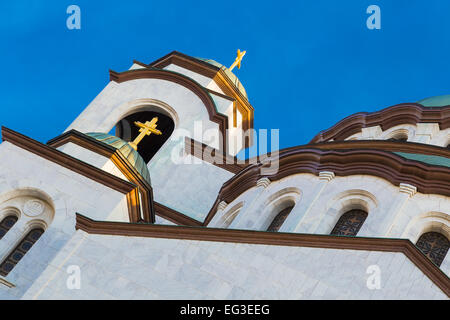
(270,238)
(121,163)
(218,75)
(80,167)
(226,162)
(220,94)
(180,79)
(405,113)
(66,161)
(175,216)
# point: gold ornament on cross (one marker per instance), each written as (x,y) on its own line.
(146,129)
(237,62)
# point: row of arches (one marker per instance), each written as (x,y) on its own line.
(344,213)
(434,245)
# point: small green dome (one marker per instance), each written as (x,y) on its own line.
(133,157)
(230,74)
(437,101)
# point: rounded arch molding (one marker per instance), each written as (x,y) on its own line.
(433,221)
(182,80)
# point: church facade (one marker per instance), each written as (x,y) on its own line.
(143,197)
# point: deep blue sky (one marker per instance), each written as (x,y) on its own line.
(308,63)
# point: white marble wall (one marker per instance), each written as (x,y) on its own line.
(116,267)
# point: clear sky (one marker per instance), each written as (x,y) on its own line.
(308,63)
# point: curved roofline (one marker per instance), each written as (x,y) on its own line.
(404,113)
(429,179)
(195,87)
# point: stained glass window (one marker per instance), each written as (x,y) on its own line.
(350,223)
(279,219)
(7,224)
(14,257)
(434,245)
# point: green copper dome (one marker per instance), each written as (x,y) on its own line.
(230,74)
(133,157)
(437,101)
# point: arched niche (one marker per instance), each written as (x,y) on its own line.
(144,110)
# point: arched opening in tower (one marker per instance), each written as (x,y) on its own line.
(149,145)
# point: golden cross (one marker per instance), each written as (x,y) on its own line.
(237,62)
(146,129)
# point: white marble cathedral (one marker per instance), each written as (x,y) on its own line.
(361,212)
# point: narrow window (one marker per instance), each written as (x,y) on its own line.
(434,245)
(14,257)
(7,224)
(350,223)
(279,219)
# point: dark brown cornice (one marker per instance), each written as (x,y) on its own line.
(80,167)
(405,113)
(121,163)
(427,178)
(197,89)
(187,62)
(270,238)
(393,146)
(217,158)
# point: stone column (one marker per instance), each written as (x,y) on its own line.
(300,219)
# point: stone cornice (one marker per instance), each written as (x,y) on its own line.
(405,113)
(270,238)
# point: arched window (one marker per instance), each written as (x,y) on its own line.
(279,219)
(434,245)
(147,148)
(350,223)
(14,257)
(7,224)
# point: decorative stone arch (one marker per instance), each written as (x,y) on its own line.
(404,130)
(427,222)
(139,105)
(227,218)
(353,199)
(275,202)
(16,188)
(35,210)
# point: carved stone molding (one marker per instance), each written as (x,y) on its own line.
(326,175)
(410,190)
